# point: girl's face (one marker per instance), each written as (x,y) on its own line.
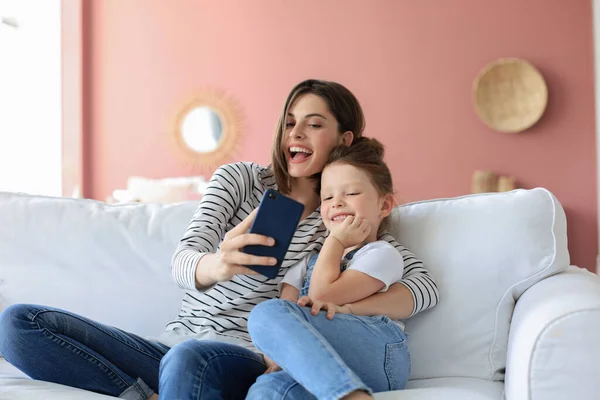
(311,132)
(347,190)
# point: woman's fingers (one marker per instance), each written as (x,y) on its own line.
(304,301)
(232,261)
(321,305)
(241,270)
(227,271)
(246,239)
(239,258)
(330,310)
(316,307)
(243,226)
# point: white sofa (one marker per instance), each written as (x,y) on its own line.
(514,320)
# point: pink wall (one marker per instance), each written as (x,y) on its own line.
(410,63)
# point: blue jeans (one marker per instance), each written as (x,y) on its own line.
(57,346)
(326,359)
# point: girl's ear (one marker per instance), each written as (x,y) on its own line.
(387,205)
(347,138)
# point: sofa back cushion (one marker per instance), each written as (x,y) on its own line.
(110,263)
(484,251)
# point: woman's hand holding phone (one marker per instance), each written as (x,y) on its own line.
(230,260)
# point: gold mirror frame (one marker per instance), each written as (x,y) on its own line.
(228,112)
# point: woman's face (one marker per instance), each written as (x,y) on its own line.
(311,132)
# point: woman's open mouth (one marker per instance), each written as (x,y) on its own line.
(299,154)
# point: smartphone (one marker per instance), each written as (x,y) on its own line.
(277,217)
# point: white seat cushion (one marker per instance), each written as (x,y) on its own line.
(484,251)
(447,389)
(15,386)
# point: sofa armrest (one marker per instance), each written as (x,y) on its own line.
(554,341)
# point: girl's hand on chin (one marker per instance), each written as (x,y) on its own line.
(318,305)
(352,231)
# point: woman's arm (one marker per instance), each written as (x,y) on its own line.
(416,279)
(384,303)
(397,303)
(230,260)
(195,265)
(417,291)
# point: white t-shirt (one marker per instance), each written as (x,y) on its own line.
(379,260)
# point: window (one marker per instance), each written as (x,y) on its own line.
(30,97)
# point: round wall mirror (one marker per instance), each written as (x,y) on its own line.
(207,129)
(201,129)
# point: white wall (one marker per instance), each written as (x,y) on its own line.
(30,98)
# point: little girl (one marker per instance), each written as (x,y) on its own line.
(349,356)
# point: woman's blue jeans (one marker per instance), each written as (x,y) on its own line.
(57,346)
(326,359)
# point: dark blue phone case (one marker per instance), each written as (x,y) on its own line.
(277,217)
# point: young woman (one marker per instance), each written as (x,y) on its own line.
(220,362)
(350,355)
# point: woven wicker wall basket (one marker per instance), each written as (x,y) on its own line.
(510,95)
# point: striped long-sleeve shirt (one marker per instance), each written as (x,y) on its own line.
(221,311)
